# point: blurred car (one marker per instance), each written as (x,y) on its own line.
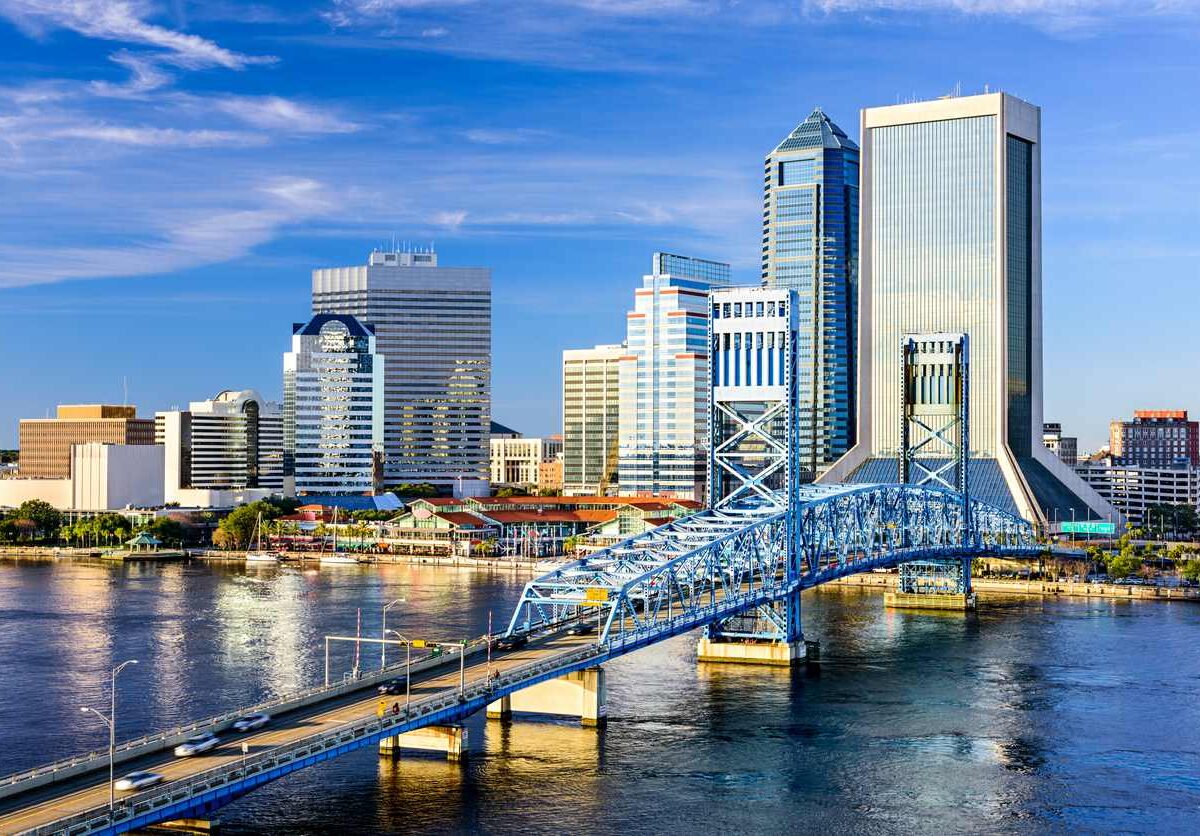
(583,628)
(137,781)
(513,642)
(251,722)
(196,744)
(393,686)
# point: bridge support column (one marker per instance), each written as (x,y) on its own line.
(933,585)
(582,694)
(197,827)
(449,739)
(767,635)
(751,651)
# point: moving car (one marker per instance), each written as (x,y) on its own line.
(513,642)
(251,722)
(196,744)
(583,628)
(393,686)
(137,781)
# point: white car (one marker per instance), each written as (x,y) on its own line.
(137,781)
(251,722)
(196,744)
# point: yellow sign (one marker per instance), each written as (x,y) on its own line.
(418,643)
(595,595)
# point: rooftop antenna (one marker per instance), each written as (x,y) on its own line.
(125,390)
(987,88)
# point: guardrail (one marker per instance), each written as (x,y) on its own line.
(133,810)
(50,773)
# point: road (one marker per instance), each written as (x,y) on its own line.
(90,791)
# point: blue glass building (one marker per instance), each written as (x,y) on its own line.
(810,244)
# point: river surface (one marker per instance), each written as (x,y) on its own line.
(1029,716)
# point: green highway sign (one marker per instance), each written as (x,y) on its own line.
(1088,527)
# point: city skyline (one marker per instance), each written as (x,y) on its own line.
(188,288)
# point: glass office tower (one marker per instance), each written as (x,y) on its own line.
(810,243)
(951,242)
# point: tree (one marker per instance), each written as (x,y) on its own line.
(1191,570)
(46,519)
(1124,562)
(504,493)
(413,490)
(167,530)
(238,526)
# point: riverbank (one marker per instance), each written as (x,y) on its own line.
(985,587)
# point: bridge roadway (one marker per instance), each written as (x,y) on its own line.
(39,807)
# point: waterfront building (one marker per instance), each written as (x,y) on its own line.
(516,461)
(333,385)
(663,444)
(951,243)
(104,477)
(433,325)
(810,244)
(1156,438)
(1133,489)
(46,442)
(222,451)
(591,418)
(1066,447)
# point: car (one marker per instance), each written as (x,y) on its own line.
(513,642)
(197,744)
(251,722)
(137,781)
(582,628)
(394,686)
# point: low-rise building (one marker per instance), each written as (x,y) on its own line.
(517,461)
(1133,489)
(104,477)
(1156,438)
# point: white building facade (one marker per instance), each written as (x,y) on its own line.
(591,419)
(951,242)
(333,384)
(1133,490)
(517,461)
(433,326)
(663,447)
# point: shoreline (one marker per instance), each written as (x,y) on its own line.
(986,587)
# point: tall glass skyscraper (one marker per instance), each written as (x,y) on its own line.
(810,243)
(665,379)
(951,242)
(434,327)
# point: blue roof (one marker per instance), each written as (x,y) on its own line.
(355,502)
(817,131)
(354,325)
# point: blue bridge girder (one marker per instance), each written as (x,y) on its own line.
(716,564)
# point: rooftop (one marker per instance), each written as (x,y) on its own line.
(817,131)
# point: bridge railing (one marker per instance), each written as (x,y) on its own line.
(154,741)
(237,774)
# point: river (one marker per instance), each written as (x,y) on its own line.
(1028,716)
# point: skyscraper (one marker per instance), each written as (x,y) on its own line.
(663,443)
(333,382)
(434,327)
(591,410)
(951,242)
(810,243)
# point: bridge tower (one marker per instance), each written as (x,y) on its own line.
(754,450)
(934,449)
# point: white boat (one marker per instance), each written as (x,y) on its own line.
(258,554)
(336,557)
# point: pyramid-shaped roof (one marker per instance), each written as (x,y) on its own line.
(817,131)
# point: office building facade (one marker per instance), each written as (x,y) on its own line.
(951,242)
(517,461)
(591,419)
(1156,438)
(433,326)
(664,380)
(1066,447)
(230,443)
(810,244)
(45,443)
(333,385)
(1133,490)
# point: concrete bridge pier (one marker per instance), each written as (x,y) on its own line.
(195,827)
(933,585)
(582,694)
(752,651)
(449,739)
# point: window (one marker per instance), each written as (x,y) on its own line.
(796,172)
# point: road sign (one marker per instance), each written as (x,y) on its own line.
(1088,527)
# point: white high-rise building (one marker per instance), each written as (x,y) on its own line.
(591,419)
(951,243)
(230,443)
(433,325)
(333,406)
(663,448)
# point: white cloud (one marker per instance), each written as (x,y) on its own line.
(504,136)
(145,76)
(124,21)
(1052,14)
(435,32)
(279,114)
(149,137)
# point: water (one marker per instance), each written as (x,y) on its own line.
(1029,716)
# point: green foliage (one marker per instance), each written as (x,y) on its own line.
(100,530)
(34,522)
(1123,563)
(9,456)
(369,515)
(414,490)
(235,530)
(169,531)
(504,493)
(1191,570)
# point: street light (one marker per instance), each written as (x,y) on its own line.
(407,667)
(111,722)
(384,630)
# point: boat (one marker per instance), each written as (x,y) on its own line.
(335,557)
(258,554)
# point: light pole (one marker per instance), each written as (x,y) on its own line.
(384,631)
(407,667)
(111,722)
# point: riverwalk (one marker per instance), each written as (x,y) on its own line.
(985,587)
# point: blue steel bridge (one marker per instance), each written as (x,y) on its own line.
(736,570)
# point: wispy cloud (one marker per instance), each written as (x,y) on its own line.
(1054,15)
(505,136)
(281,114)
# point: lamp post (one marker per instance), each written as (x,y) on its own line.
(384,630)
(111,722)
(407,667)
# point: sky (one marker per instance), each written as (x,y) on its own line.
(171,172)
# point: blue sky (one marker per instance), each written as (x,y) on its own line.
(170,172)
